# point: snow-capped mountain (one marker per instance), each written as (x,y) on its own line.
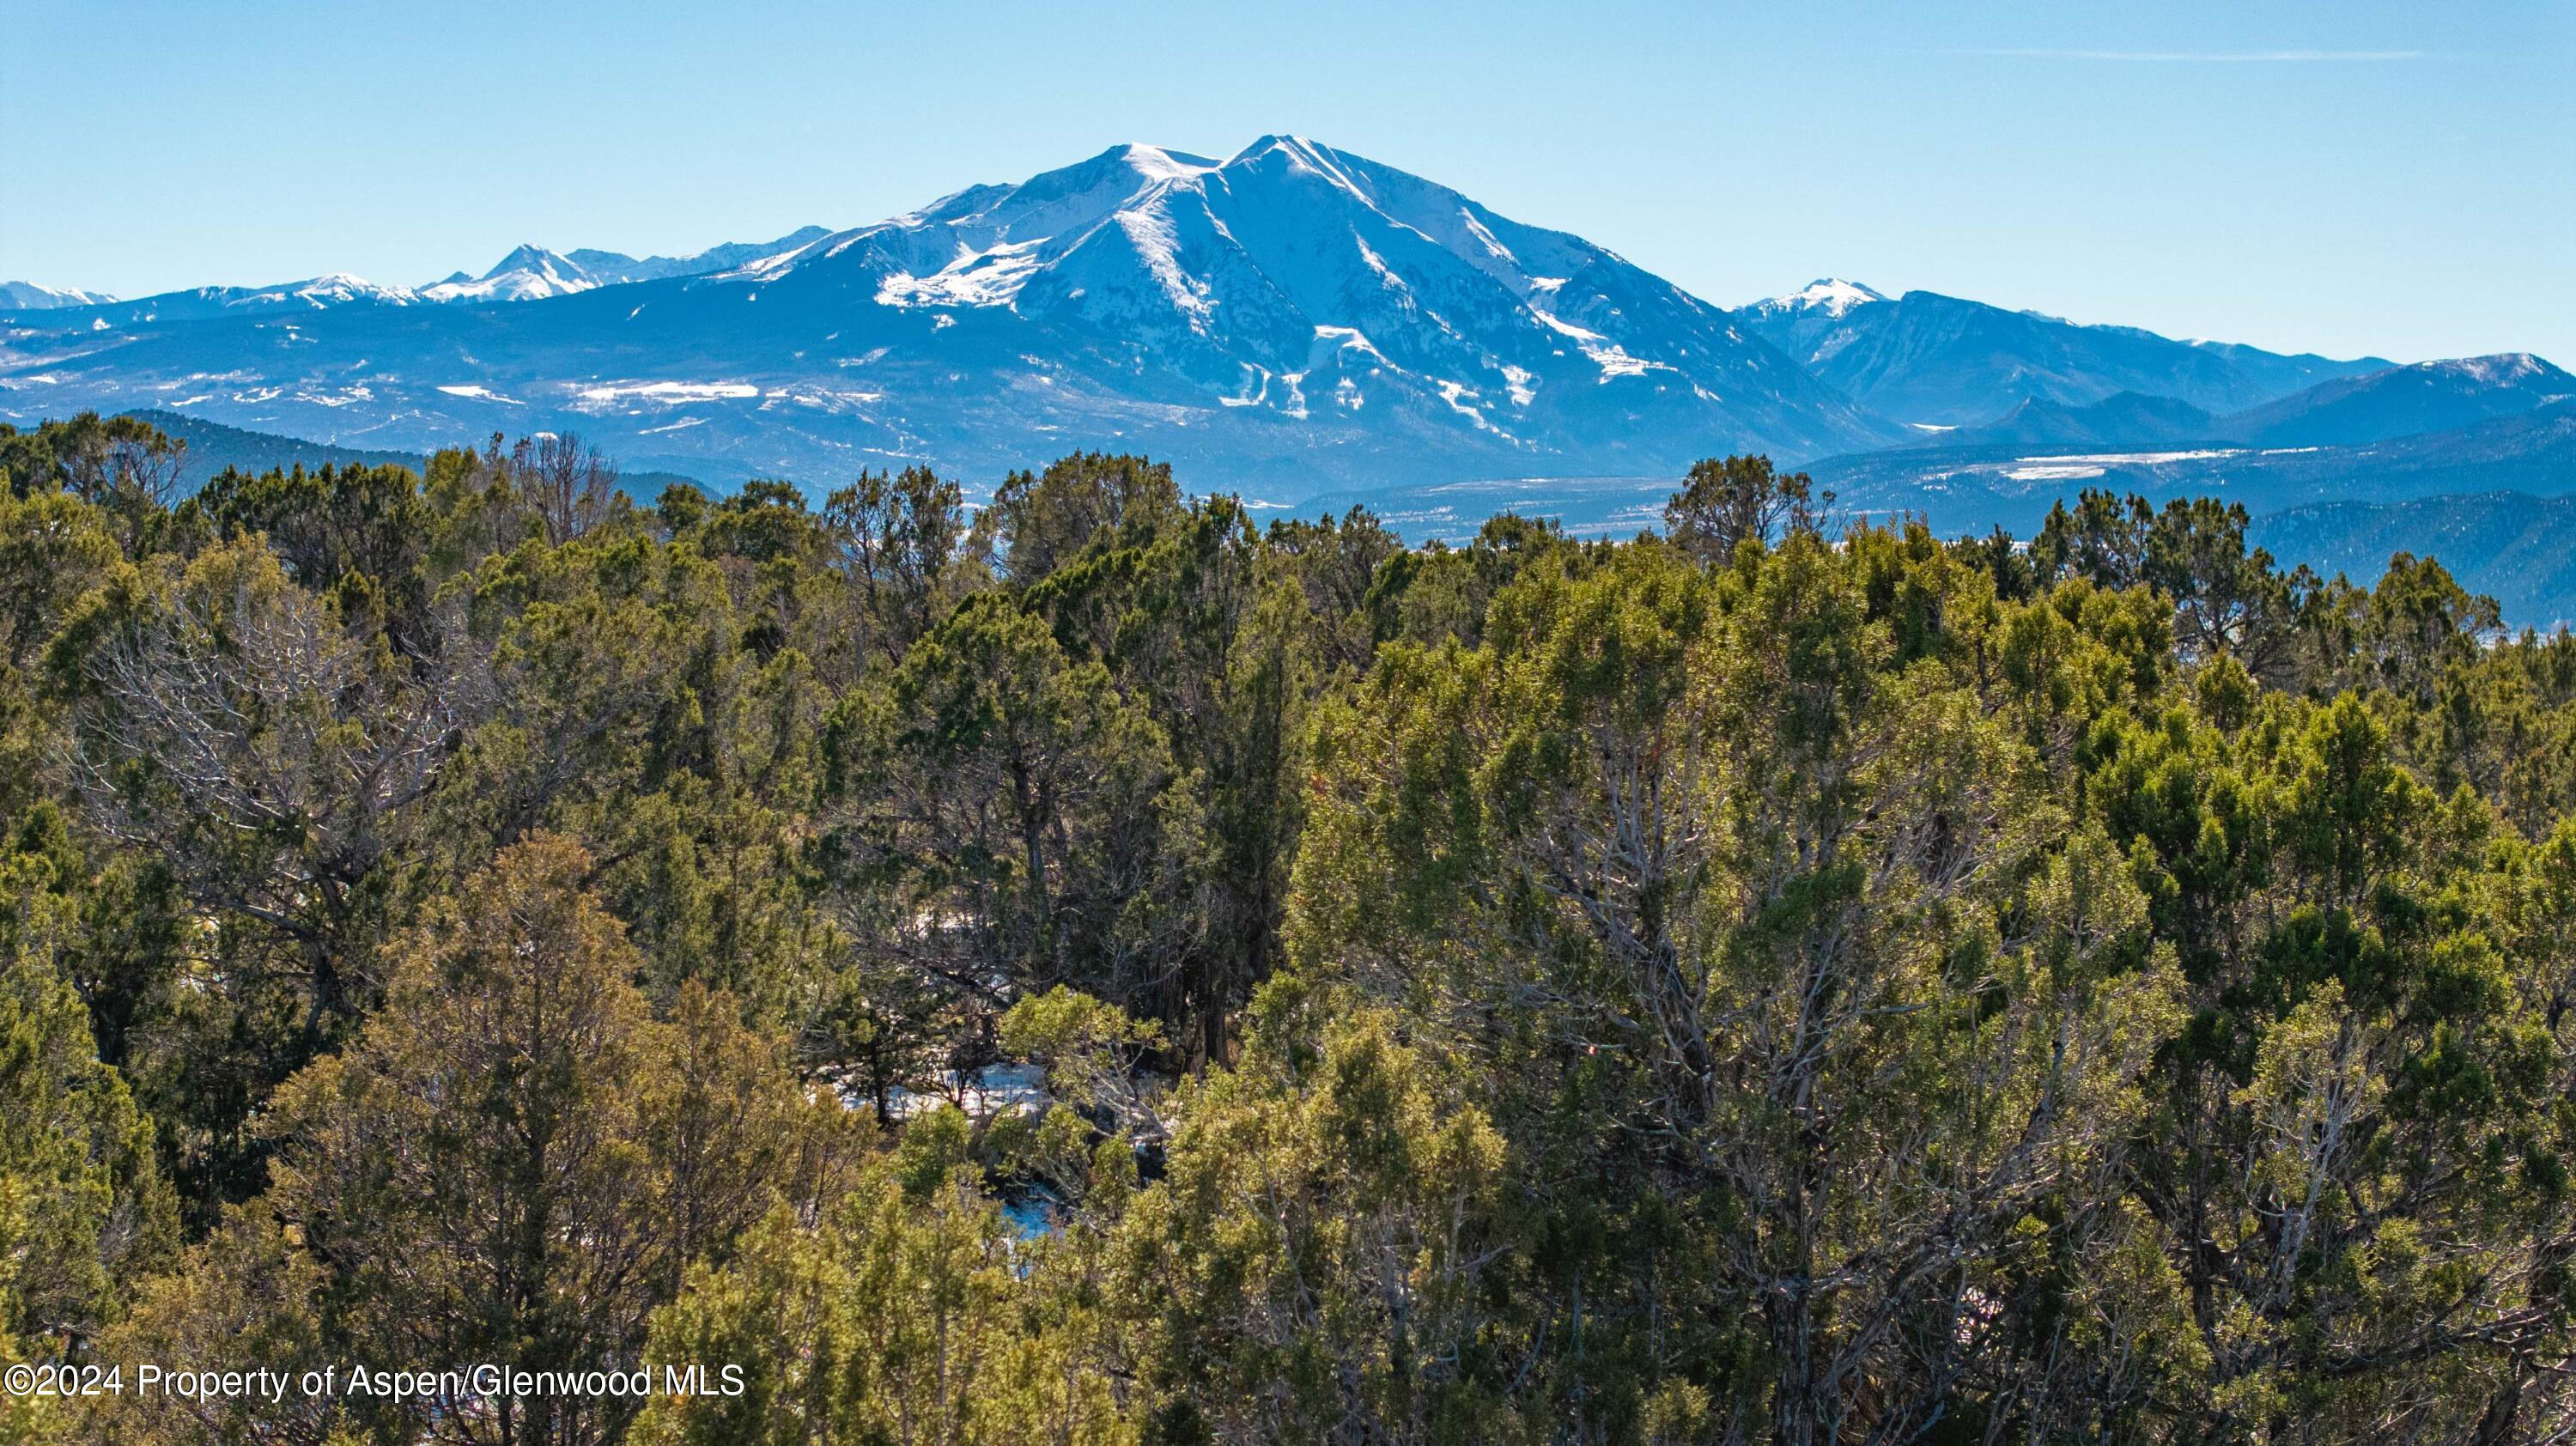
(315,294)
(2401,401)
(528,273)
(1825,299)
(2347,411)
(533,273)
(206,303)
(608,267)
(1928,359)
(1287,318)
(1290,320)
(1295,283)
(1802,322)
(28,296)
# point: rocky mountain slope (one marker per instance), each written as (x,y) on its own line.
(1286,318)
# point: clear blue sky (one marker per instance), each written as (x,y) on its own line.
(2344,177)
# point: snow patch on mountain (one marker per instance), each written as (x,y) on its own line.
(670,393)
(1286,238)
(532,273)
(611,268)
(336,289)
(28,296)
(975,278)
(2501,369)
(529,273)
(1827,296)
(1287,317)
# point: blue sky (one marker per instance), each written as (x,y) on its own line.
(2355,177)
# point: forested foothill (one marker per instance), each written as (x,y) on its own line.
(1090,969)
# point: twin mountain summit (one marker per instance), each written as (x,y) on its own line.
(1307,326)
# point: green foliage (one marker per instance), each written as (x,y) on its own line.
(83,1208)
(1758,983)
(1093,1053)
(909,1313)
(53,549)
(1321,1264)
(1726,502)
(123,464)
(515,1085)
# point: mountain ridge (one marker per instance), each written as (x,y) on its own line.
(1289,316)
(1289,319)
(528,272)
(1931,359)
(28,296)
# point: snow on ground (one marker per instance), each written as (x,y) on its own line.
(322,291)
(1454,392)
(2135,459)
(2093,464)
(2503,367)
(515,287)
(341,398)
(1564,327)
(1832,296)
(976,278)
(1159,245)
(670,393)
(996,1089)
(1348,338)
(1256,388)
(1614,361)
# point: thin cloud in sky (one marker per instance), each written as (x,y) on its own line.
(2208,57)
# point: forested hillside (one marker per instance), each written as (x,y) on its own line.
(1091,970)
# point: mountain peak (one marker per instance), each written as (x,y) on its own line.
(2497,369)
(529,273)
(1161,163)
(1827,295)
(1296,146)
(329,289)
(2429,396)
(1295,283)
(1289,313)
(1298,156)
(526,256)
(28,296)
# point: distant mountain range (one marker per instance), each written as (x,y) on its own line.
(1975,487)
(2459,494)
(1287,319)
(1300,324)
(528,273)
(27,296)
(1938,361)
(532,273)
(2403,402)
(2350,411)
(2512,546)
(214,447)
